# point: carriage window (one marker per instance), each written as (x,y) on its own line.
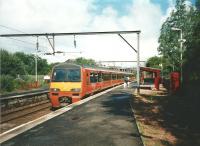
(103,76)
(106,76)
(114,76)
(100,77)
(119,76)
(93,77)
(96,77)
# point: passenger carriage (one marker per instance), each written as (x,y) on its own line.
(71,83)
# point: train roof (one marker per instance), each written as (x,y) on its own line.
(75,66)
(67,65)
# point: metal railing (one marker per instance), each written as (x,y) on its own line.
(24,95)
(10,102)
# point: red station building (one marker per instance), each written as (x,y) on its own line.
(155,74)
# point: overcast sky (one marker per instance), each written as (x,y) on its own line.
(42,16)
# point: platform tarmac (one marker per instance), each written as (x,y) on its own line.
(105,121)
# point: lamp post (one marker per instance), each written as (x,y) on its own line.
(181,40)
(161,65)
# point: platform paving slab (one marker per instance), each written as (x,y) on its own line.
(105,121)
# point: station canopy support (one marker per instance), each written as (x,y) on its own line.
(51,36)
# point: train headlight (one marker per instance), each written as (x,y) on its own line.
(55,89)
(76,89)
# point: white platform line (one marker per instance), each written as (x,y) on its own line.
(24,127)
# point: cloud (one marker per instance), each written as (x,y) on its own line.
(64,16)
(169,10)
(45,15)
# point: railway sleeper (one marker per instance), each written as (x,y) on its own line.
(20,102)
(11,113)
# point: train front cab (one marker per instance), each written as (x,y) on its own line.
(66,85)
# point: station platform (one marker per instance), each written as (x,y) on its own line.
(104,121)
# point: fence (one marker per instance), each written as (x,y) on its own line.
(31,82)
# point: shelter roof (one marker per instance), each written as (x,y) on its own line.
(149,69)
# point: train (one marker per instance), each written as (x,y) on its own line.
(71,83)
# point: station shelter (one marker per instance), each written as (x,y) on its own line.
(155,74)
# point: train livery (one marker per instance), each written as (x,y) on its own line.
(71,83)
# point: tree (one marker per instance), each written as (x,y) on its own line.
(83,61)
(169,46)
(186,18)
(43,67)
(28,61)
(154,62)
(19,63)
(22,64)
(192,53)
(11,64)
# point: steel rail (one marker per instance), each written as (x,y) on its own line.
(23,111)
(23,95)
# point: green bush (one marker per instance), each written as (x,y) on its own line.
(19,83)
(7,83)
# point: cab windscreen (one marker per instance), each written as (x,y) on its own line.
(66,75)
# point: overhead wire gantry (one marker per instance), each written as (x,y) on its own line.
(51,36)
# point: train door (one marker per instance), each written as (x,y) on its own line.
(93,80)
(88,86)
(112,79)
(100,80)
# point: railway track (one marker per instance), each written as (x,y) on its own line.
(21,108)
(12,102)
(24,111)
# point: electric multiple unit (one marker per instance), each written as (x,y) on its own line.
(71,83)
